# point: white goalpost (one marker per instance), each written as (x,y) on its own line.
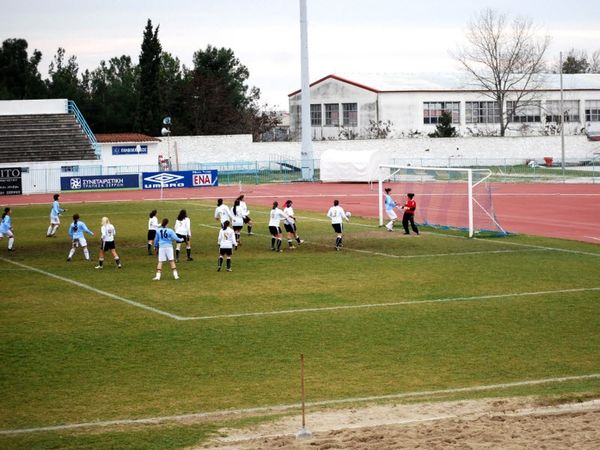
(447,197)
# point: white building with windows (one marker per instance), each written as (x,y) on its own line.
(343,108)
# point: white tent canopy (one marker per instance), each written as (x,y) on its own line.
(352,165)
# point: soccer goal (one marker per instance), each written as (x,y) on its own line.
(456,198)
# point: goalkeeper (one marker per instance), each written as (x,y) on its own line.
(409,214)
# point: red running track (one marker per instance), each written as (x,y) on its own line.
(568,211)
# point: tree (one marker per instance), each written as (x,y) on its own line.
(595,62)
(149,113)
(113,96)
(576,62)
(504,60)
(64,78)
(263,121)
(217,94)
(379,129)
(19,75)
(172,88)
(444,127)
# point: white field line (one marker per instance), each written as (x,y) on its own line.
(592,237)
(539,247)
(93,289)
(295,311)
(389,255)
(215,415)
(390,304)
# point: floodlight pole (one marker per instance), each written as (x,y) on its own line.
(562,119)
(306,151)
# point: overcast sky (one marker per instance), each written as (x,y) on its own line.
(344,35)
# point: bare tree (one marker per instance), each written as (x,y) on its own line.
(504,59)
(595,62)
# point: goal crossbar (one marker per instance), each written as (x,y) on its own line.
(471,201)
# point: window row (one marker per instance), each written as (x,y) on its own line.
(523,112)
(332,115)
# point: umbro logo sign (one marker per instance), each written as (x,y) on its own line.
(164,178)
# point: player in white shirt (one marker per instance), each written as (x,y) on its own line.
(290,225)
(227,243)
(246,214)
(222,212)
(107,233)
(237,220)
(337,215)
(183,229)
(276,215)
(152,227)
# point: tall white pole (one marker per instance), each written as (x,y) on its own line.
(470,200)
(307,160)
(562,119)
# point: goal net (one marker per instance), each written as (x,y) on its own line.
(455,198)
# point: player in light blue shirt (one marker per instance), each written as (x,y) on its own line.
(390,204)
(164,241)
(77,232)
(55,213)
(6,228)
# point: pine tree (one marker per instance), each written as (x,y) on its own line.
(148,117)
(444,127)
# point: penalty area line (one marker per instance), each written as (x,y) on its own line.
(389,304)
(93,289)
(216,415)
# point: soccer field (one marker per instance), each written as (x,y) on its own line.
(86,353)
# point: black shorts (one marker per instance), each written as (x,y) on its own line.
(290,228)
(247,219)
(275,231)
(108,245)
(237,227)
(338,227)
(185,237)
(151,235)
(225,251)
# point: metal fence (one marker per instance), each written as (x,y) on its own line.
(45,180)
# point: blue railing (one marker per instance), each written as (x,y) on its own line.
(73,109)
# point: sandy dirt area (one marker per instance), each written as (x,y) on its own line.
(478,424)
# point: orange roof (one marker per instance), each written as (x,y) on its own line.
(124,137)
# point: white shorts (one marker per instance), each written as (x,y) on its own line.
(54,220)
(6,233)
(82,242)
(165,254)
(391,214)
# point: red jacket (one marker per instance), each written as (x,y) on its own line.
(410,206)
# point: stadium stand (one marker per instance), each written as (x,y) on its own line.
(43,137)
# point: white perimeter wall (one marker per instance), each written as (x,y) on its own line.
(45,176)
(21,107)
(206,149)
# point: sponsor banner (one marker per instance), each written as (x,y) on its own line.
(99,182)
(181,179)
(11,181)
(129,149)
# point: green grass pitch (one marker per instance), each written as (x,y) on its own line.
(390,314)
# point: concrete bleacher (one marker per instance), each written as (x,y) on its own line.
(43,137)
